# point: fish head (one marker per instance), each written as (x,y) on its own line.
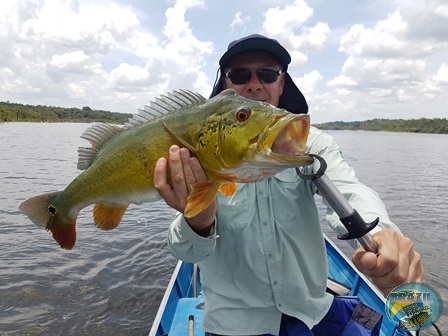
(245,140)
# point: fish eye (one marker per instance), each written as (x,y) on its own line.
(243,114)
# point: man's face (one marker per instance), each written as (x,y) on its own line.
(256,89)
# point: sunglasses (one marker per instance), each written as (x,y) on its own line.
(241,76)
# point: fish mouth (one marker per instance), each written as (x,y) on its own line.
(284,140)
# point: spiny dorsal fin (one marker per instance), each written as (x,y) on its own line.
(171,102)
(98,135)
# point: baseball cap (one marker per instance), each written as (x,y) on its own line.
(292,98)
(256,42)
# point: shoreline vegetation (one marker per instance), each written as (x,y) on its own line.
(15,112)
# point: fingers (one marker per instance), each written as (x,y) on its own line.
(364,260)
(193,171)
(160,182)
(189,175)
(396,263)
(177,169)
(174,193)
(184,170)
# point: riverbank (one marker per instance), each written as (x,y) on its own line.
(422,125)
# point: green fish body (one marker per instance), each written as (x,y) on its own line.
(233,137)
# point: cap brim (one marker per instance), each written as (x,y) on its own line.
(259,44)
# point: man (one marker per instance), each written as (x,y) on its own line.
(261,252)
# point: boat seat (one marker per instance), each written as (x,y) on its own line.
(185,308)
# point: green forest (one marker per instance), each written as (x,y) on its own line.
(41,113)
(422,125)
(14,112)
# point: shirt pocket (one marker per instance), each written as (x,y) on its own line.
(285,191)
(232,211)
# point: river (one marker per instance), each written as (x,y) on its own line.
(112,282)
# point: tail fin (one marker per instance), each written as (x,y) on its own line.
(41,211)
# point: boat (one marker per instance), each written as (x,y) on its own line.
(181,310)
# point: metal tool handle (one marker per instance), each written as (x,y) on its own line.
(356,227)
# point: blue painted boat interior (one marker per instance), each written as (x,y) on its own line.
(179,301)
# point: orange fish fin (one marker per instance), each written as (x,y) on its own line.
(202,194)
(228,189)
(64,234)
(107,217)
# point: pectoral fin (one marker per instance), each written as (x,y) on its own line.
(228,189)
(202,194)
(107,217)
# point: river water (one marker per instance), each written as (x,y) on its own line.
(112,282)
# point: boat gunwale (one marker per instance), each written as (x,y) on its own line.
(158,318)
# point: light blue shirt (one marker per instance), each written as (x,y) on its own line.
(266,253)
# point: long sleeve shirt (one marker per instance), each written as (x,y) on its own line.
(266,252)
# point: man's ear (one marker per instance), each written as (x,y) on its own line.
(223,83)
(282,82)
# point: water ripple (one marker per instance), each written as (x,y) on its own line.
(112,282)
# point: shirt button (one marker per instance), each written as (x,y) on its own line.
(279,305)
(275,282)
(270,255)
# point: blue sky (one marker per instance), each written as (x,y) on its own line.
(353,60)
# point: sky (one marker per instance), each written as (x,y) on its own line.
(353,60)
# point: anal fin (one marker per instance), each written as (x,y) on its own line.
(107,217)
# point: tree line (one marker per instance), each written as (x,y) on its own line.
(14,112)
(422,125)
(10,112)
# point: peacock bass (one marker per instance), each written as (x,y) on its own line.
(233,138)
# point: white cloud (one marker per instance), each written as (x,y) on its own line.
(369,60)
(342,81)
(283,21)
(239,21)
(442,74)
(442,11)
(308,82)
(288,25)
(80,48)
(387,65)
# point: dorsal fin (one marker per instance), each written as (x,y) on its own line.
(97,135)
(171,102)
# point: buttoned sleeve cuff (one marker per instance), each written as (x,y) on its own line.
(187,245)
(193,237)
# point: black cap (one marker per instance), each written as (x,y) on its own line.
(291,99)
(256,42)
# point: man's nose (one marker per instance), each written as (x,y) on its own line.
(254,81)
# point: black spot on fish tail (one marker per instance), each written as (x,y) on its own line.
(52,209)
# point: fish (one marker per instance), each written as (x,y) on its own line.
(237,140)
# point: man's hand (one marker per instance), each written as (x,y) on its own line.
(185,170)
(397,261)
